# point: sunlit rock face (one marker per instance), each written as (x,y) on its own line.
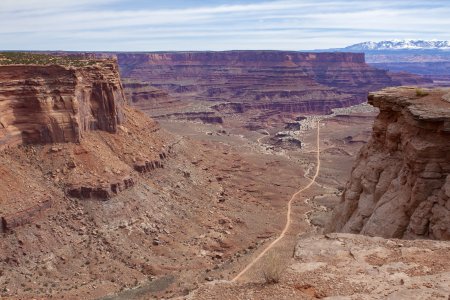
(400,184)
(47,104)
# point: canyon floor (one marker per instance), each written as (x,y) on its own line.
(186,229)
(216,200)
(259,177)
(312,265)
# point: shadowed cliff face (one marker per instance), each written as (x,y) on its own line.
(47,104)
(279,80)
(400,185)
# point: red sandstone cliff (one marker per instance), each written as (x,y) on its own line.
(54,103)
(146,97)
(48,104)
(280,80)
(73,153)
(400,184)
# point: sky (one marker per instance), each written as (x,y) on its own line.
(176,25)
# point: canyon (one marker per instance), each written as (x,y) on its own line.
(212,85)
(100,201)
(398,189)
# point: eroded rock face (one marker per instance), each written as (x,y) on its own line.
(48,104)
(204,117)
(400,184)
(262,80)
(144,96)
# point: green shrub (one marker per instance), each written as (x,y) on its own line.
(31,58)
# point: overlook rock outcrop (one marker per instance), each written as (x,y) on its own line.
(400,184)
(42,104)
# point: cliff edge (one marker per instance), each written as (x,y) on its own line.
(400,184)
(49,103)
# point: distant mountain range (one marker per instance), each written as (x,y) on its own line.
(427,58)
(399,45)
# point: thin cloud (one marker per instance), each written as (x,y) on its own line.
(287,24)
(15,5)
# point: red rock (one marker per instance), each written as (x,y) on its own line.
(269,80)
(20,218)
(400,182)
(48,104)
(104,191)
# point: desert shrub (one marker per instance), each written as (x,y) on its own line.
(421,92)
(273,268)
(32,58)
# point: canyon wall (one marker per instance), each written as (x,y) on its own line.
(400,184)
(289,81)
(144,96)
(56,103)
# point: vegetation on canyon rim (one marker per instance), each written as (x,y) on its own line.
(28,58)
(273,268)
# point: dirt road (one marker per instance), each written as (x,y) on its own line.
(288,213)
(264,136)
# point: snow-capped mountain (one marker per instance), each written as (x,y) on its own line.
(400,45)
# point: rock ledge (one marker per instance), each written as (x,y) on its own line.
(400,184)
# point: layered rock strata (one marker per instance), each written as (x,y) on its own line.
(204,117)
(261,80)
(144,96)
(103,191)
(20,218)
(55,103)
(400,184)
(107,189)
(48,104)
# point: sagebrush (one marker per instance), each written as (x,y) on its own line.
(421,93)
(273,268)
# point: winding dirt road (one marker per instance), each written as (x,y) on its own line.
(288,214)
(264,136)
